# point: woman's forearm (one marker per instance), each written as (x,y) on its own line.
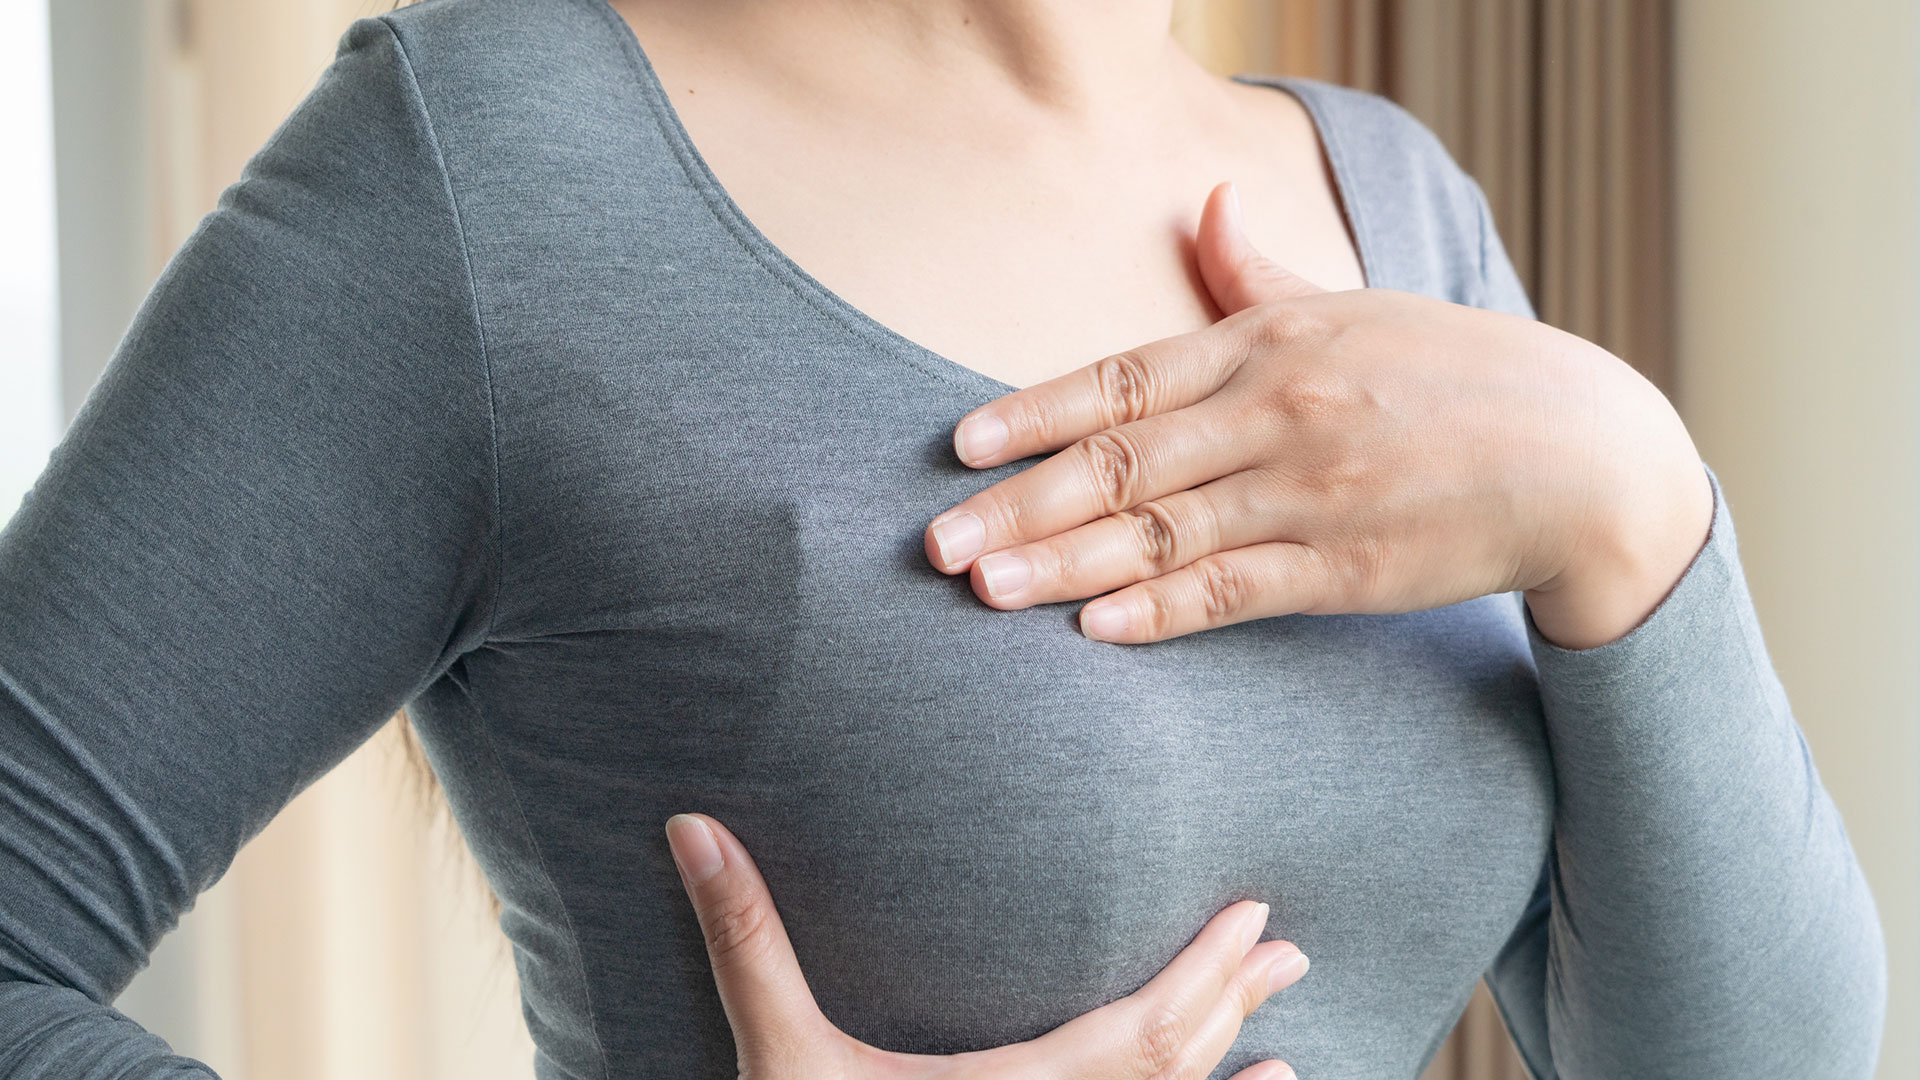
(57,1033)
(1709,917)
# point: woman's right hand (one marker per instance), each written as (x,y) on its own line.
(1176,1027)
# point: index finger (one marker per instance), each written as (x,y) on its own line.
(767,1001)
(1157,377)
(1141,1034)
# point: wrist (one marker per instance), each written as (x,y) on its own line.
(1629,560)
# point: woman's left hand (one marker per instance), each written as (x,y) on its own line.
(1322,452)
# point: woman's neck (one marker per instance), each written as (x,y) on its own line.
(1078,60)
(1059,54)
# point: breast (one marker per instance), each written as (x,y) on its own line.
(977,823)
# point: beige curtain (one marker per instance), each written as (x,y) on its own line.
(1560,109)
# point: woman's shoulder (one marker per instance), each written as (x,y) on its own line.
(481,33)
(535,109)
(499,62)
(1420,219)
(1377,142)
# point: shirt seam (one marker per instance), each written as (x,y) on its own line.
(493,607)
(546,874)
(496,538)
(1480,223)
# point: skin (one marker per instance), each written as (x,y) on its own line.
(1042,163)
(1286,441)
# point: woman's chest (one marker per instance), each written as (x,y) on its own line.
(978,823)
(720,601)
(738,536)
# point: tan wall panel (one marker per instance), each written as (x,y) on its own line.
(1799,340)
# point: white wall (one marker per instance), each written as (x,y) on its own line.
(29,413)
(101,149)
(1799,249)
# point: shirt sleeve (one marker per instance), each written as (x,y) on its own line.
(1702,912)
(270,526)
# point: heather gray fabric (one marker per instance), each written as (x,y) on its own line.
(478,395)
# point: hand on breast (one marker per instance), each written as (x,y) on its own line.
(1322,452)
(1177,1027)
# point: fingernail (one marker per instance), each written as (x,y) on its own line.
(979,437)
(1103,620)
(1280,1071)
(1287,970)
(1233,206)
(694,848)
(1004,574)
(1256,923)
(959,538)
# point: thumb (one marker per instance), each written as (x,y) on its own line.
(1236,274)
(768,1005)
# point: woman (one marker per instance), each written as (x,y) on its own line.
(599,404)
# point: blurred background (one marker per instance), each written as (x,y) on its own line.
(1723,192)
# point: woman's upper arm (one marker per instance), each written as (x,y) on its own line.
(1697,855)
(271,524)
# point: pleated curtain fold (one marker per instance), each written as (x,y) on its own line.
(1562,110)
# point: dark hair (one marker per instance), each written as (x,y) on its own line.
(432,803)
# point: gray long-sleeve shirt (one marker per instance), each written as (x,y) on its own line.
(478,394)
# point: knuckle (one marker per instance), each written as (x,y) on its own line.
(1338,466)
(1158,1039)
(1315,396)
(1249,993)
(738,929)
(1225,591)
(1123,385)
(1185,1067)
(1365,568)
(1157,611)
(1287,324)
(1010,516)
(1156,534)
(1061,561)
(1339,578)
(1343,486)
(1113,465)
(1045,423)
